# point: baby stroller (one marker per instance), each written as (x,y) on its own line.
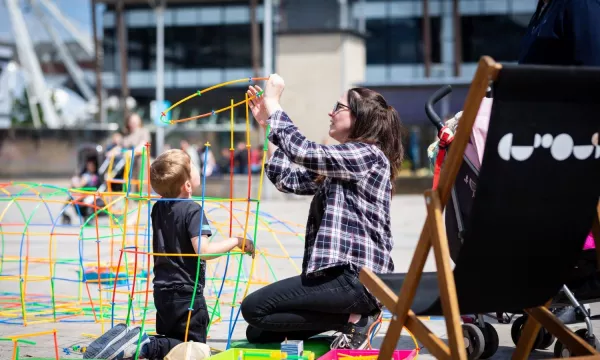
(117,172)
(585,283)
(84,205)
(87,155)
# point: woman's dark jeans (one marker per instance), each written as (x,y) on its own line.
(300,307)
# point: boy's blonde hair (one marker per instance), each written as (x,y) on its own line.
(169,172)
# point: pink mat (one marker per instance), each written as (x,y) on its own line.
(345,354)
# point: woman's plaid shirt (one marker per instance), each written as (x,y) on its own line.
(356,194)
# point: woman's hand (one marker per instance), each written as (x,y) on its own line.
(274,88)
(257,105)
(273,91)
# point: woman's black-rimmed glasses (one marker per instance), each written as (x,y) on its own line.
(338,106)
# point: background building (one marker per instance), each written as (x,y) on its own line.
(210,42)
(397,61)
(206,43)
(404,49)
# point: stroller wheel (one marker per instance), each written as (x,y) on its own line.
(517,328)
(492,341)
(503,318)
(547,341)
(66,219)
(561,351)
(474,341)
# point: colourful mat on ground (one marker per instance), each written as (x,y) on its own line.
(345,354)
(319,345)
(258,354)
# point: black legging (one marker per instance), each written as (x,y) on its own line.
(299,307)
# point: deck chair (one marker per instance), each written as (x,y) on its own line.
(536,201)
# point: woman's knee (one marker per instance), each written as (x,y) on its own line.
(251,310)
(254,335)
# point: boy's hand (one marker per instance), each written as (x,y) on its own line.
(248,245)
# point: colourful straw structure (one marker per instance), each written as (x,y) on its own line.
(99,269)
(16,339)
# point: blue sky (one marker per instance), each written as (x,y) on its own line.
(78,11)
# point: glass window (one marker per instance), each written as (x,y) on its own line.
(400,41)
(498,36)
(139,48)
(237,45)
(309,15)
(186,47)
(404,41)
(377,42)
(209,47)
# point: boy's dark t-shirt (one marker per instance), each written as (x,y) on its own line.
(174,224)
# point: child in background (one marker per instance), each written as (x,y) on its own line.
(176,223)
(89,177)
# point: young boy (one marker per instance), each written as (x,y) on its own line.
(176,226)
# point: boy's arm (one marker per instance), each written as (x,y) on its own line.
(211,250)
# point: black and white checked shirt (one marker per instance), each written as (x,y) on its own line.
(349,221)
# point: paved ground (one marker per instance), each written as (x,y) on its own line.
(279,242)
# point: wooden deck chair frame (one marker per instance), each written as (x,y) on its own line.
(433,236)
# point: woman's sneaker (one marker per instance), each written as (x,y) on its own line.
(357,336)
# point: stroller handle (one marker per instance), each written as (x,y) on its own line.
(437,96)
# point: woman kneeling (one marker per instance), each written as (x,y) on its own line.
(348,222)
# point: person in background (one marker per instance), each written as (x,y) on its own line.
(225,161)
(211,167)
(241,158)
(136,136)
(566,33)
(135,139)
(256,154)
(563,32)
(115,140)
(88,178)
(192,151)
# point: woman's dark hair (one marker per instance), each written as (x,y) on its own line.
(377,123)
